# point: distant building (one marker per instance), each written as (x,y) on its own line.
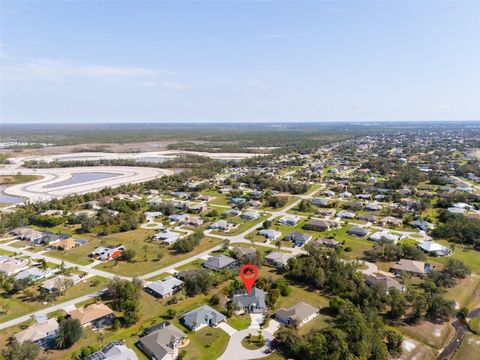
(278,259)
(385,282)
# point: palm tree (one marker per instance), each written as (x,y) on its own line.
(279,244)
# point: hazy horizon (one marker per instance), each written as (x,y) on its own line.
(241,62)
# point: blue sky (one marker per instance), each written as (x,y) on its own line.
(239,61)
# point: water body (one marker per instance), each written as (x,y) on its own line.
(8,199)
(80,178)
(153,159)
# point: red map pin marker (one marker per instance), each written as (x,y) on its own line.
(249,274)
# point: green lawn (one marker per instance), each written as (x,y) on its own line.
(16,305)
(240,322)
(242,225)
(469,348)
(468,256)
(474,325)
(139,266)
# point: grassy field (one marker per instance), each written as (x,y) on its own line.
(468,256)
(242,225)
(17,305)
(474,325)
(139,266)
(434,335)
(466,293)
(469,348)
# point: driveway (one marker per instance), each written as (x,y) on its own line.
(227,328)
(235,349)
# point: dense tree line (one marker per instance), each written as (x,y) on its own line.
(458,228)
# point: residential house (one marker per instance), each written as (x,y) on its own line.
(418,268)
(167,236)
(26,233)
(358,231)
(373,207)
(51,285)
(96,315)
(253,301)
(34,274)
(379,235)
(423,225)
(43,334)
(201,317)
(232,212)
(290,220)
(220,262)
(250,215)
(178,219)
(270,234)
(346,214)
(326,212)
(299,314)
(278,259)
(368,218)
(221,225)
(298,238)
(13,266)
(385,282)
(116,350)
(163,288)
(163,343)
(64,244)
(255,203)
(320,202)
(433,248)
(326,242)
(195,221)
(345,195)
(108,253)
(240,252)
(390,220)
(320,225)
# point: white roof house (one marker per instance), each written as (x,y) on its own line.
(167,236)
(165,287)
(291,220)
(432,247)
(270,234)
(379,235)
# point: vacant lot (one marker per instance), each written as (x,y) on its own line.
(434,335)
(16,305)
(469,348)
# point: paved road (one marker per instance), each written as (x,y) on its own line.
(48,310)
(85,268)
(460,328)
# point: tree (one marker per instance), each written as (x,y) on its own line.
(145,252)
(128,254)
(394,341)
(25,351)
(267,224)
(398,304)
(69,333)
(440,308)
